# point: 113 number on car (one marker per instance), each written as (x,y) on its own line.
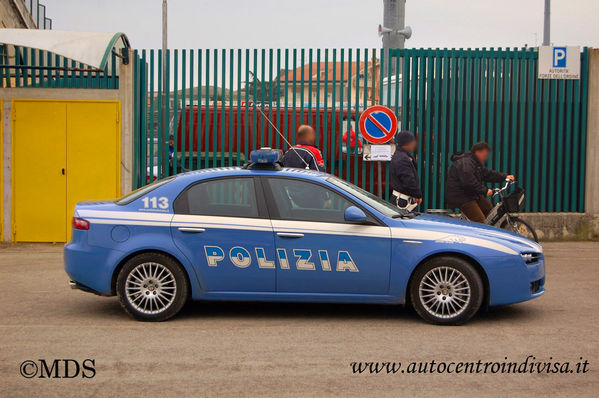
(155,203)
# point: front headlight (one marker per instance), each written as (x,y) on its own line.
(530,258)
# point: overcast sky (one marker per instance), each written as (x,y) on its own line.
(330,23)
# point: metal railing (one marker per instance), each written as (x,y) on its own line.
(29,67)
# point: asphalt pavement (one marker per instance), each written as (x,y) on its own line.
(289,350)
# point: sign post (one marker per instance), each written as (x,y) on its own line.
(378,125)
(378,153)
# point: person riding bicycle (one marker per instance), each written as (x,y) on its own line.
(465,187)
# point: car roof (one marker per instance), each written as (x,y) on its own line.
(197,175)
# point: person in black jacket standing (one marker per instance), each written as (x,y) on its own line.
(466,180)
(305,154)
(404,176)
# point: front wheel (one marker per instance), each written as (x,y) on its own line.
(152,287)
(521,227)
(446,291)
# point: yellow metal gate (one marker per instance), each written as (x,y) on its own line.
(1,171)
(63,152)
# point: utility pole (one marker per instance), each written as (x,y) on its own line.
(394,34)
(393,30)
(163,104)
(394,18)
(547,24)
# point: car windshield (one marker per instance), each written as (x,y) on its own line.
(139,192)
(371,200)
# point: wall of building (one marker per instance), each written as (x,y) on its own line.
(14,14)
(124,94)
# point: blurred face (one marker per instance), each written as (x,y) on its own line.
(310,136)
(411,147)
(482,155)
(171,142)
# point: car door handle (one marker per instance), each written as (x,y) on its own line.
(290,235)
(192,230)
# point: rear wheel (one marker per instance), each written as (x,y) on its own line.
(520,227)
(152,287)
(446,291)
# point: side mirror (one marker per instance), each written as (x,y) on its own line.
(355,215)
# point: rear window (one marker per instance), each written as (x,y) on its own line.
(226,197)
(138,193)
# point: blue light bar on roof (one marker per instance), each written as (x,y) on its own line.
(265,155)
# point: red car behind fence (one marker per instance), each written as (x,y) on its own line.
(230,137)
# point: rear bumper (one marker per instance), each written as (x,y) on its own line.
(90,268)
(78,286)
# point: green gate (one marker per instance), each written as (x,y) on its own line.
(217,103)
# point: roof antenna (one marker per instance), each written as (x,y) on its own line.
(281,134)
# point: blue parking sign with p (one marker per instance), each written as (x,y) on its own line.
(559,57)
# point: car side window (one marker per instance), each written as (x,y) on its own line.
(227,197)
(305,201)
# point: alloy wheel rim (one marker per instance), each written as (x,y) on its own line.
(444,292)
(150,288)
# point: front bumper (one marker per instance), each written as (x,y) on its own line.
(511,280)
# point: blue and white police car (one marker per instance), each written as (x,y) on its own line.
(261,232)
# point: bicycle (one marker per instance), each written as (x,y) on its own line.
(504,213)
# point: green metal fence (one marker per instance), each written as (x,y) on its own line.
(537,128)
(29,67)
(216,102)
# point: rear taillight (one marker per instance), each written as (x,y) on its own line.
(80,223)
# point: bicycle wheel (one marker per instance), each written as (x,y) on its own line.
(521,227)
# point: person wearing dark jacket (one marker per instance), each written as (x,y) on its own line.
(304,155)
(466,188)
(404,176)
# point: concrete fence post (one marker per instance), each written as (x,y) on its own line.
(592,155)
(126,77)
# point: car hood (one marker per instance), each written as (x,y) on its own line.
(449,229)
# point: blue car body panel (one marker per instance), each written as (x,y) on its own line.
(259,258)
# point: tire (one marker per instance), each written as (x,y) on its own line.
(152,287)
(446,291)
(520,227)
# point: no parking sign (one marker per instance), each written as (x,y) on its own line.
(378,124)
